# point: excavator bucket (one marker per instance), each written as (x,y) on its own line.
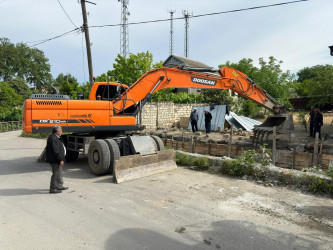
(283,122)
(145,162)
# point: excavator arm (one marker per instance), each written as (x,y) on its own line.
(224,78)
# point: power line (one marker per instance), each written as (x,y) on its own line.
(164,20)
(66,13)
(52,38)
(201,15)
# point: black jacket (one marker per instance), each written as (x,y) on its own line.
(208,117)
(318,118)
(55,152)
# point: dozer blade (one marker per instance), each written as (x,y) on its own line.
(133,167)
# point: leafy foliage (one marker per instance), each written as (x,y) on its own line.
(302,119)
(316,81)
(20,87)
(269,76)
(216,96)
(199,163)
(10,103)
(70,86)
(130,69)
(20,61)
(170,95)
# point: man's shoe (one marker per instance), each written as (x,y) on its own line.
(55,191)
(62,188)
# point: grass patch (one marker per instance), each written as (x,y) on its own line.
(199,163)
(37,136)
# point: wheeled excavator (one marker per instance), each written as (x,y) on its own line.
(107,125)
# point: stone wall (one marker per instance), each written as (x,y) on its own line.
(165,114)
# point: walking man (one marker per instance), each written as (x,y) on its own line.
(317,122)
(208,118)
(312,113)
(194,118)
(55,155)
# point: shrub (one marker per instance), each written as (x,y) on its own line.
(302,119)
(200,163)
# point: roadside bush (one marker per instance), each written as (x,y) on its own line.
(329,172)
(316,184)
(200,163)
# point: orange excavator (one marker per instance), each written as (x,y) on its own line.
(105,125)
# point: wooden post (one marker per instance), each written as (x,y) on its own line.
(320,153)
(190,146)
(294,156)
(274,146)
(230,141)
(209,147)
(183,140)
(171,141)
(315,150)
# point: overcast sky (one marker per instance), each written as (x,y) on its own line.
(298,34)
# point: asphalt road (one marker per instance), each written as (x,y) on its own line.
(181,209)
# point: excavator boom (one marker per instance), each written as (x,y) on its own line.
(224,79)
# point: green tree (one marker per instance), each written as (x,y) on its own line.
(316,82)
(216,96)
(69,85)
(10,103)
(130,69)
(20,61)
(269,76)
(20,87)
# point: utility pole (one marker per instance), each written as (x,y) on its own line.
(124,37)
(86,32)
(186,43)
(171,31)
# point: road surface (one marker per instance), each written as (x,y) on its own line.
(181,209)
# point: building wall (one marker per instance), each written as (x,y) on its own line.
(164,114)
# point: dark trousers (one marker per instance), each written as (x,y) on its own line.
(194,124)
(311,128)
(56,178)
(316,129)
(207,126)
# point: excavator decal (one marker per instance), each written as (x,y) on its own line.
(203,81)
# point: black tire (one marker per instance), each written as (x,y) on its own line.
(114,153)
(71,155)
(99,157)
(159,142)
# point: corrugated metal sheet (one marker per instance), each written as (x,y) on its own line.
(218,117)
(242,122)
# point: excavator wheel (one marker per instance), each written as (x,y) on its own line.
(71,155)
(159,142)
(99,157)
(114,153)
